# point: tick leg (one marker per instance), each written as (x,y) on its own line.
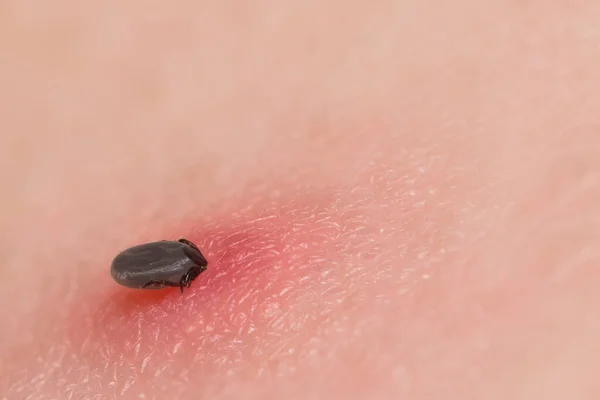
(159,283)
(186,280)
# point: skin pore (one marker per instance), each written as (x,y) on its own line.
(396,200)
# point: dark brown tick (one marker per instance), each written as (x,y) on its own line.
(157,265)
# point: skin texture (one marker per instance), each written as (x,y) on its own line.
(396,200)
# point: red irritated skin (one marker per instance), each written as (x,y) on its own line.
(286,276)
(298,281)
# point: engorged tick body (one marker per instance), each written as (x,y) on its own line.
(157,265)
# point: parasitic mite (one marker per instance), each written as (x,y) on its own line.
(157,265)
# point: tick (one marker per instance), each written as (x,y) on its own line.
(157,265)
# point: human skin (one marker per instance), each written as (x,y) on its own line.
(397,200)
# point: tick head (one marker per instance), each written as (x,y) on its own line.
(195,255)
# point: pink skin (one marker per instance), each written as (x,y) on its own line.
(396,200)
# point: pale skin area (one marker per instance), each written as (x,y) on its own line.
(396,201)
